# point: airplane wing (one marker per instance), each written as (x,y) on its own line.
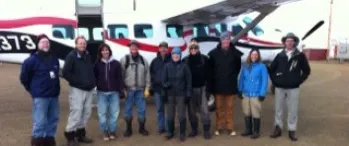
(221,9)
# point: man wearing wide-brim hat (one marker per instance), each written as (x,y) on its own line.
(288,71)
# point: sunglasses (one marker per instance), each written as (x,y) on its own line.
(193,48)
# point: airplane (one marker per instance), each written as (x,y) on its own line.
(118,22)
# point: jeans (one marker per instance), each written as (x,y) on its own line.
(80,103)
(135,97)
(45,116)
(108,106)
(160,111)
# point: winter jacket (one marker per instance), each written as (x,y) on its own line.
(177,79)
(135,75)
(156,68)
(198,65)
(224,66)
(78,71)
(40,77)
(253,80)
(289,73)
(109,75)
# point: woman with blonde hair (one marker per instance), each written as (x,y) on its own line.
(253,85)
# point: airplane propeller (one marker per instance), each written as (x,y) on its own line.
(313,29)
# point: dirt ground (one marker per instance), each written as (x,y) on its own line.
(323,115)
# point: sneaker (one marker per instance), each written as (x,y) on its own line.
(106,137)
(112,136)
(217,132)
(232,133)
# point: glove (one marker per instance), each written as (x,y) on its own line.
(208,94)
(123,94)
(261,98)
(240,95)
(146,93)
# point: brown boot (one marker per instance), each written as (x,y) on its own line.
(277,132)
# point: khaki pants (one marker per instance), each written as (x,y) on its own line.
(224,112)
(251,106)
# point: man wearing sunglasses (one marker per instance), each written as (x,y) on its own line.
(197,63)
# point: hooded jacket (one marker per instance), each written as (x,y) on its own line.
(156,68)
(108,75)
(39,76)
(289,73)
(224,66)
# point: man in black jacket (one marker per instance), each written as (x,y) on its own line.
(288,71)
(198,64)
(225,65)
(156,69)
(78,71)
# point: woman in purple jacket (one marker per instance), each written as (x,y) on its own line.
(109,86)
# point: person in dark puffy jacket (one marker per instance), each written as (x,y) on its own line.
(39,76)
(110,84)
(156,68)
(225,65)
(253,86)
(176,80)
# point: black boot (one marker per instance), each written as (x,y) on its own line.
(256,128)
(292,135)
(182,128)
(207,132)
(81,135)
(194,129)
(170,129)
(37,141)
(142,129)
(248,126)
(50,141)
(128,131)
(70,136)
(276,133)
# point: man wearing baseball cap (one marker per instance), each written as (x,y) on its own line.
(288,71)
(156,69)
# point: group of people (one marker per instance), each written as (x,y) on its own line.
(182,85)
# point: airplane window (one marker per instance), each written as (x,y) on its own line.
(118,31)
(174,31)
(63,31)
(89,2)
(236,28)
(84,32)
(257,30)
(200,30)
(219,28)
(143,31)
(97,34)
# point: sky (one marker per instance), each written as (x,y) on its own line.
(297,17)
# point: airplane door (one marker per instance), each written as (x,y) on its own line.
(91,27)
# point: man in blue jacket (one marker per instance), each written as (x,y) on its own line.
(39,76)
(156,69)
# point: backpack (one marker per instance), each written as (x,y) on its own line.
(128,57)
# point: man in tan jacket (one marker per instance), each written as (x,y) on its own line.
(137,81)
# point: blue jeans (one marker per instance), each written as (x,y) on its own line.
(45,116)
(160,111)
(108,105)
(135,97)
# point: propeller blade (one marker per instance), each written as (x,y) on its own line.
(313,29)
